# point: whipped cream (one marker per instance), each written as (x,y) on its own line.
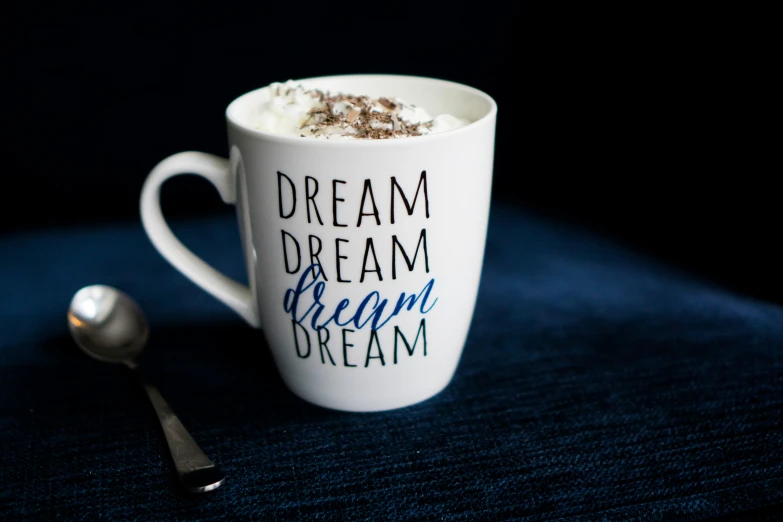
(292,110)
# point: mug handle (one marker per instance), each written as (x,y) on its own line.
(236,296)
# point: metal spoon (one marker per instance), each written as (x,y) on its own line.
(109,326)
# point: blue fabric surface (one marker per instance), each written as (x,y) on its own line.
(595,385)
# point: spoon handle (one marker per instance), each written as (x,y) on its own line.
(196,472)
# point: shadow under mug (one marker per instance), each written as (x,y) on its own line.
(363,256)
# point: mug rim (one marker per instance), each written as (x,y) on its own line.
(291,140)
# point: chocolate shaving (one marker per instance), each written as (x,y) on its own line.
(386,102)
(353,115)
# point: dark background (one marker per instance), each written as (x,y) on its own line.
(636,121)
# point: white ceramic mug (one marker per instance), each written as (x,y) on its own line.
(363,256)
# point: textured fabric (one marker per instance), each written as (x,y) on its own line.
(595,385)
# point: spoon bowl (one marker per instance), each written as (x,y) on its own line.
(107,324)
